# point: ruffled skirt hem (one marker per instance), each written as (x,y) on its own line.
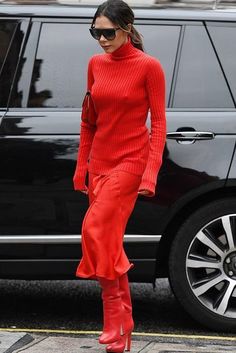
(95,275)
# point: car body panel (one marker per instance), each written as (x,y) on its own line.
(41,215)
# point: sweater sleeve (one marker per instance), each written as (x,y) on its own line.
(155,85)
(87,132)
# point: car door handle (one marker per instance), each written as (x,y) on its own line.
(190,135)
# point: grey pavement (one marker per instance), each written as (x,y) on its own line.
(16,342)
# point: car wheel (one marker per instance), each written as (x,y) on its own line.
(202,265)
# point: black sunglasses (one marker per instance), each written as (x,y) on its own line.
(108,33)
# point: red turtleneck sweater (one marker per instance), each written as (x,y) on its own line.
(124,85)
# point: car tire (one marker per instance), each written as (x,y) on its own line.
(202,265)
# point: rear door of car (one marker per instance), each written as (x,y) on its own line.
(200,120)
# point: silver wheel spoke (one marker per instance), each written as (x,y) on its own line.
(228,231)
(208,242)
(195,261)
(221,309)
(208,283)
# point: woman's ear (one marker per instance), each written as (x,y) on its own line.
(129,27)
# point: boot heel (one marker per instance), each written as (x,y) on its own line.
(128,342)
(120,345)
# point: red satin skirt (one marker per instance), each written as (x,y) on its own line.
(112,198)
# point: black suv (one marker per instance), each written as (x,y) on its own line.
(188,230)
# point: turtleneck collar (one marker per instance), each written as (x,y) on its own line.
(125,51)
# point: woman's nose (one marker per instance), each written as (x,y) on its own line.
(102,39)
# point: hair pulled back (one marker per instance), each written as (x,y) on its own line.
(119,13)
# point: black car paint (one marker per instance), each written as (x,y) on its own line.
(38,149)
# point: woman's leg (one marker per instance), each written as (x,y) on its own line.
(127,319)
(128,323)
(112,199)
(128,200)
(112,310)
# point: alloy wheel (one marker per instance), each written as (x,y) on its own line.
(211,266)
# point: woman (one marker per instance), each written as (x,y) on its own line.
(124,83)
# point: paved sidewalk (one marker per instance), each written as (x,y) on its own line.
(40,343)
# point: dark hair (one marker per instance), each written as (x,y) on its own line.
(119,13)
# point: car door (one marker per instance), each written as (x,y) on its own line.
(42,215)
(202,106)
(200,116)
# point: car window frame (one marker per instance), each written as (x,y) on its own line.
(176,71)
(21,21)
(221,24)
(37,23)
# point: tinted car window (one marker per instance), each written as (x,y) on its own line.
(224,39)
(61,65)
(200,81)
(8,58)
(161,42)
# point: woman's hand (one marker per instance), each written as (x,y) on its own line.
(84,190)
(145,192)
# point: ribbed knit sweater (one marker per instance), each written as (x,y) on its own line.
(124,85)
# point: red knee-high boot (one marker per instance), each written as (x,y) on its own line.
(127,319)
(112,311)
